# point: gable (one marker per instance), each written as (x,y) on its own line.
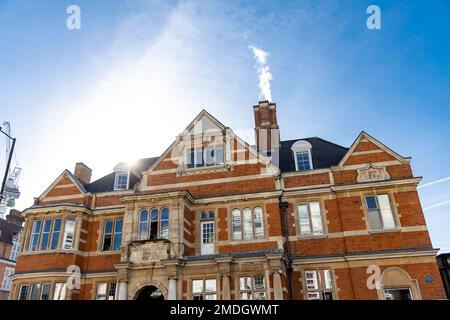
(65,186)
(367,150)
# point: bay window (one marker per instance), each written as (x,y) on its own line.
(45,234)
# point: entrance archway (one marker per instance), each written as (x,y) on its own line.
(149,293)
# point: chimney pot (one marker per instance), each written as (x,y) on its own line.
(83,172)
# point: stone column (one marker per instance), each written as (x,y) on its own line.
(172,295)
(226,287)
(123,290)
(277,286)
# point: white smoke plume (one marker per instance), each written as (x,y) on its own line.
(263,70)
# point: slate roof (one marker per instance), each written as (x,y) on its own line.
(324,155)
(106,183)
(7,228)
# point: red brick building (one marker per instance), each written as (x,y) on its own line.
(216,218)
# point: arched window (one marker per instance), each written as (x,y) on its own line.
(164,233)
(247,223)
(302,155)
(143,224)
(154,225)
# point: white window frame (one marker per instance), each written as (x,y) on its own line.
(205,158)
(116,179)
(302,146)
(6,283)
(65,233)
(14,250)
(253,291)
(319,290)
(204,294)
(380,215)
(242,225)
(107,286)
(310,220)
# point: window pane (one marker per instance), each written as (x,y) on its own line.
(191,158)
(165,223)
(398,294)
(259,282)
(55,234)
(303,218)
(374,220)
(210,156)
(246,295)
(325,279)
(236,222)
(386,212)
(197,286)
(35,291)
(316,217)
(211,215)
(248,224)
(210,285)
(219,155)
(121,182)
(154,224)
(371,202)
(202,215)
(259,296)
(207,232)
(200,161)
(45,237)
(117,234)
(245,283)
(303,161)
(101,291)
(258,221)
(69,232)
(34,240)
(112,291)
(23,295)
(143,225)
(107,236)
(45,295)
(210,297)
(312,282)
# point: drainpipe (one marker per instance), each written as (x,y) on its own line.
(287,247)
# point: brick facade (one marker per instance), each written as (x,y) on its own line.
(279,253)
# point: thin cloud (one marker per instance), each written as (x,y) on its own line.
(433,182)
(439,204)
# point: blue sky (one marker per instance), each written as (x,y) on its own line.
(137,72)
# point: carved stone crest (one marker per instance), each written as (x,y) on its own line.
(148,251)
(372,173)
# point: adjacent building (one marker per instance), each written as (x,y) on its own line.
(216,218)
(444,267)
(10,230)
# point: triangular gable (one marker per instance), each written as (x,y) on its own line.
(65,175)
(370,144)
(210,123)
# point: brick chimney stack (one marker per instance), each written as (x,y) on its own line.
(83,172)
(15,217)
(266,127)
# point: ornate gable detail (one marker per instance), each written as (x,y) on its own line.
(372,173)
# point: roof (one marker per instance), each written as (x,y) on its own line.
(324,154)
(106,183)
(7,229)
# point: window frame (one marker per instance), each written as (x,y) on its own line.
(310,220)
(302,146)
(368,211)
(108,285)
(204,165)
(116,180)
(159,223)
(204,293)
(242,226)
(113,234)
(6,281)
(253,290)
(319,290)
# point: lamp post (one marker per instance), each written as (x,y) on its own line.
(8,164)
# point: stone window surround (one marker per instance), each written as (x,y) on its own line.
(304,290)
(190,293)
(302,146)
(113,233)
(106,280)
(252,274)
(394,209)
(323,213)
(251,206)
(15,292)
(137,216)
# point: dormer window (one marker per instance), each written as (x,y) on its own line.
(121,180)
(209,156)
(301,151)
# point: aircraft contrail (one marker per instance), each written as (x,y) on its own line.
(433,182)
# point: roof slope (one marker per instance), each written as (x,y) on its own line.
(324,154)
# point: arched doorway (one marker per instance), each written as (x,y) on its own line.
(149,293)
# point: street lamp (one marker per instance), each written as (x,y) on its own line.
(8,164)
